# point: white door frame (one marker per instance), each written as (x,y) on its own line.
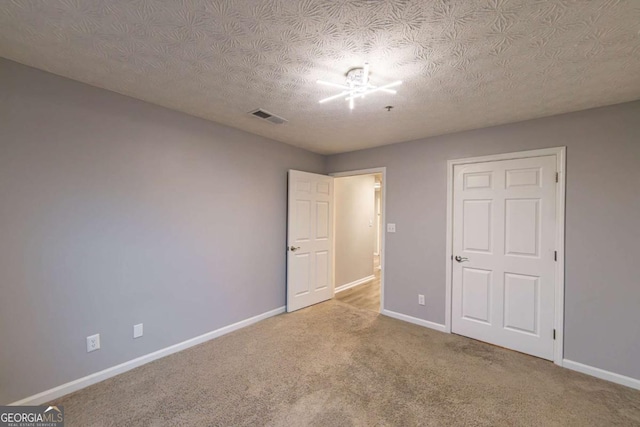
(560,153)
(383,203)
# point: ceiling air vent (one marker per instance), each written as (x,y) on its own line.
(265,115)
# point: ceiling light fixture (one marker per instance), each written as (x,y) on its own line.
(357,86)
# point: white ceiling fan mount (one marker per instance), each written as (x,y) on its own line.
(357,85)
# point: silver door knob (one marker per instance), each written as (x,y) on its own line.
(294,248)
(461,259)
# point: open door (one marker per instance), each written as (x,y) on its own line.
(309,239)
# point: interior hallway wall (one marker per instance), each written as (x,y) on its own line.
(354,228)
(602,291)
(378,221)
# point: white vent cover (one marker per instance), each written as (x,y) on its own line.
(265,115)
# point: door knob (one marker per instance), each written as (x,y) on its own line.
(294,248)
(461,259)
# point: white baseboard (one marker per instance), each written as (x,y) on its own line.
(601,373)
(80,383)
(414,320)
(354,283)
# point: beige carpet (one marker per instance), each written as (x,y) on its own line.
(336,365)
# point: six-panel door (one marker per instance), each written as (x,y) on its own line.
(310,239)
(504,233)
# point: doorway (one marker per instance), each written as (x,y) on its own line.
(505,250)
(311,242)
(358,221)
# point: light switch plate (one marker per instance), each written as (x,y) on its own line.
(391,228)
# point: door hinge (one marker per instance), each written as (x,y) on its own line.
(554,334)
(557,177)
(555,255)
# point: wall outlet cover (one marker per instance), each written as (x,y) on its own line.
(93,343)
(391,228)
(421,299)
(137,330)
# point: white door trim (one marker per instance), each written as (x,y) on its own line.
(560,153)
(383,209)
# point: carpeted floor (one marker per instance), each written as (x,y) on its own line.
(336,365)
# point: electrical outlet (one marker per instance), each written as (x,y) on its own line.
(93,343)
(391,228)
(137,330)
(421,299)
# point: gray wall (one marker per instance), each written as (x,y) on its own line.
(354,228)
(114,212)
(602,311)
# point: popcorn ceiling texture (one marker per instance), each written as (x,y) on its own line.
(466,64)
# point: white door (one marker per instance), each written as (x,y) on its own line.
(309,239)
(504,227)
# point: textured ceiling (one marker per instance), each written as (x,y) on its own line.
(465,64)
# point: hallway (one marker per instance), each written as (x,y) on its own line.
(366,296)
